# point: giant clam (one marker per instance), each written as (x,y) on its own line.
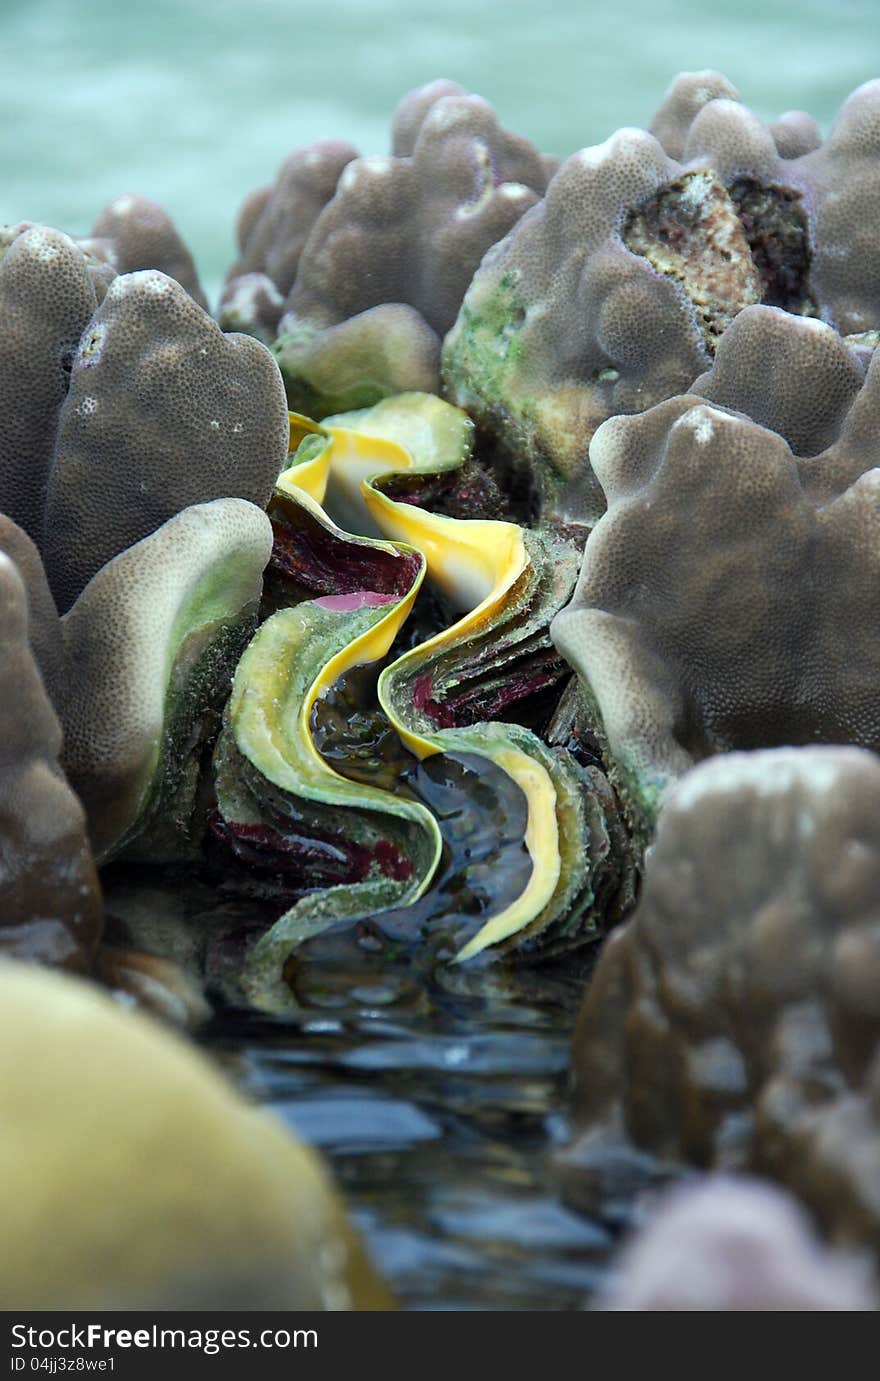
(308,660)
(276,792)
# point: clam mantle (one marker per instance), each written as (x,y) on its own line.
(372,848)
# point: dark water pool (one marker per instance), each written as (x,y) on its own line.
(441,1114)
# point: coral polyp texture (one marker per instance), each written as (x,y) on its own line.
(135,233)
(612,294)
(46,301)
(727,598)
(151,645)
(393,252)
(162,410)
(794,133)
(734,1021)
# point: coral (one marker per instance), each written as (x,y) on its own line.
(157,1186)
(376,354)
(727,598)
(794,133)
(135,233)
(151,644)
(682,103)
(611,295)
(800,379)
(734,1022)
(50,903)
(407,230)
(46,301)
(729,1244)
(44,626)
(163,411)
(272,231)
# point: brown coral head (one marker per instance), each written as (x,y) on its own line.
(720,606)
(734,1022)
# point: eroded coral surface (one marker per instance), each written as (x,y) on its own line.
(611,295)
(734,1021)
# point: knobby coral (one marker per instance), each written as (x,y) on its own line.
(50,902)
(46,301)
(732,1243)
(272,232)
(726,598)
(734,1021)
(612,293)
(135,233)
(162,411)
(390,256)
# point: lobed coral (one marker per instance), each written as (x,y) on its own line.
(46,301)
(162,411)
(150,646)
(726,598)
(50,901)
(612,293)
(273,230)
(135,233)
(137,664)
(733,1022)
(393,252)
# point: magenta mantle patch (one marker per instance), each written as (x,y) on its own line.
(360,599)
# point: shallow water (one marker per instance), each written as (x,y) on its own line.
(441,1121)
(195,102)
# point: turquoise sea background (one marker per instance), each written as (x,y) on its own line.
(195,102)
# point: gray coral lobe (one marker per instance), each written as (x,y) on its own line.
(163,410)
(733,1022)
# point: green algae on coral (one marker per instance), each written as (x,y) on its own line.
(154,638)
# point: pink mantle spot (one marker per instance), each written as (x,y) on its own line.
(360,599)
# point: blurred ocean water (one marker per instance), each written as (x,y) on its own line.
(194,102)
